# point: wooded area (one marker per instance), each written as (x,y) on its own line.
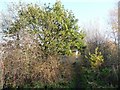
(39,49)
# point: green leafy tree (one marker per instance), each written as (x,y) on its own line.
(55,28)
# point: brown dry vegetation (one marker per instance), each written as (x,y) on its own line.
(27,65)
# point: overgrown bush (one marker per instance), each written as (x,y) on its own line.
(26,67)
(98,76)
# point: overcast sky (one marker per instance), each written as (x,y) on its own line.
(85,10)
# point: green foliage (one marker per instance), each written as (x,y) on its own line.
(53,31)
(96,59)
(55,28)
(91,78)
(98,76)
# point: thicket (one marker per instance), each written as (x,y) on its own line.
(40,41)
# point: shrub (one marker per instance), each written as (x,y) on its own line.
(96,59)
(26,66)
